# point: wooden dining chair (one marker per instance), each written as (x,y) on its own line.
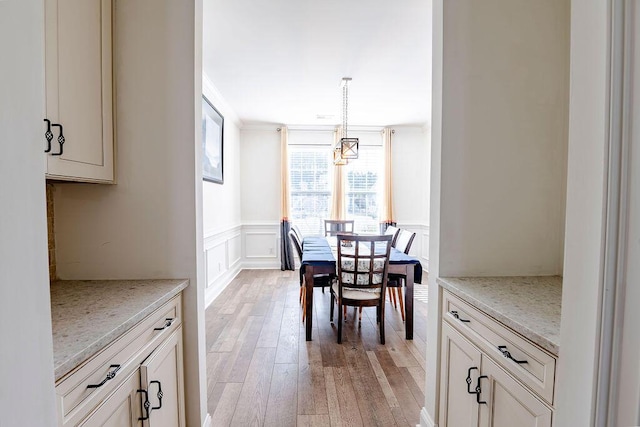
(394,232)
(319,280)
(335,226)
(403,241)
(362,266)
(296,230)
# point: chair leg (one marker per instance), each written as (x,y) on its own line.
(360,317)
(381,323)
(399,292)
(304,304)
(301,293)
(333,300)
(339,324)
(344,310)
(392,298)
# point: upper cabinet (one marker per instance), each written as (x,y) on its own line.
(79,90)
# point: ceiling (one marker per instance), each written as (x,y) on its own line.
(282,61)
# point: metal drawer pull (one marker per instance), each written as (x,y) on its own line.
(457,316)
(145,405)
(110,375)
(48,135)
(469,381)
(507,354)
(479,390)
(61,139)
(167,323)
(160,394)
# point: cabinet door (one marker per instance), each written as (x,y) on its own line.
(459,359)
(161,374)
(79,88)
(120,409)
(508,402)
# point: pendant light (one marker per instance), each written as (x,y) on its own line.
(346,148)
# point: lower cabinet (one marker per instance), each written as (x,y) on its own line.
(137,380)
(475,391)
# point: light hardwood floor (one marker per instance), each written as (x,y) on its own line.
(261,371)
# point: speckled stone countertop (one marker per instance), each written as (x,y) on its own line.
(528,305)
(89,314)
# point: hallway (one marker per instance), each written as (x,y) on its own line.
(261,371)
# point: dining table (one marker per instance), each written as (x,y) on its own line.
(318,257)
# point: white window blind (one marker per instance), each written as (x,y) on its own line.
(310,186)
(363,185)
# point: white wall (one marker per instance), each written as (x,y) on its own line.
(260,165)
(500,104)
(584,226)
(222,204)
(26,394)
(148,225)
(504,112)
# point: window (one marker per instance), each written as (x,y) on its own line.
(363,186)
(310,177)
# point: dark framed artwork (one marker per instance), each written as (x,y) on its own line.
(212,143)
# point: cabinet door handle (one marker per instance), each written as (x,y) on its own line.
(145,405)
(507,354)
(455,314)
(48,135)
(61,139)
(469,380)
(479,390)
(110,375)
(160,395)
(167,322)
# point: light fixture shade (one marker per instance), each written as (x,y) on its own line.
(349,148)
(338,160)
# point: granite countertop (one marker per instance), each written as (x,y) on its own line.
(87,315)
(529,305)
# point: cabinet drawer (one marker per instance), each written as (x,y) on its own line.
(538,368)
(77,393)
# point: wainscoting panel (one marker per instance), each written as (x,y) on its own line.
(223,260)
(261,246)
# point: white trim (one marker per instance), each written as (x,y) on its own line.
(212,292)
(215,97)
(425,419)
(262,233)
(617,195)
(207,421)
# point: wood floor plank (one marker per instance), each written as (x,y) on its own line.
(312,396)
(281,410)
(252,403)
(382,380)
(406,397)
(368,392)
(349,410)
(418,375)
(313,420)
(287,351)
(226,406)
(335,415)
(416,390)
(271,328)
(242,354)
(227,339)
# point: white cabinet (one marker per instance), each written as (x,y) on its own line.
(161,375)
(137,380)
(121,409)
(79,90)
(479,384)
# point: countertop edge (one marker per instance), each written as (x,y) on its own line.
(523,330)
(76,360)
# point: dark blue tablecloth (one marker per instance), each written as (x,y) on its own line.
(316,251)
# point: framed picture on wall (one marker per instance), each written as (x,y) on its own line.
(212,143)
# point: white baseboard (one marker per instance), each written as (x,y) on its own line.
(207,421)
(425,419)
(221,283)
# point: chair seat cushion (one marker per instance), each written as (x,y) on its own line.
(357,294)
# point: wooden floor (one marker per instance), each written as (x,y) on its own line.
(261,371)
